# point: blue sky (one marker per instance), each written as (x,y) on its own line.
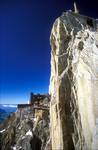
(25,27)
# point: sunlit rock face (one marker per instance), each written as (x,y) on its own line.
(74,83)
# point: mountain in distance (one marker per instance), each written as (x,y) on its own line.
(6,110)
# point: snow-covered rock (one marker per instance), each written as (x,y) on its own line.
(29,133)
(2,130)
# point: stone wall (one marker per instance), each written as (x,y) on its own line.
(74,82)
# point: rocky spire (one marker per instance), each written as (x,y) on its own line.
(74,83)
(75,8)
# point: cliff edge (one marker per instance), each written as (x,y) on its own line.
(74,83)
(28,127)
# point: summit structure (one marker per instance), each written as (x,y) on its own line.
(75,8)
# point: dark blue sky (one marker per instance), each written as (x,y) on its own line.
(25,27)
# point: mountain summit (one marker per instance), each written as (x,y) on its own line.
(74,82)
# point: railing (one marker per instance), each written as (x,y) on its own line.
(34,106)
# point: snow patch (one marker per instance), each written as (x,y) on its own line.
(2,131)
(19,128)
(29,133)
(34,119)
(14,148)
(23,137)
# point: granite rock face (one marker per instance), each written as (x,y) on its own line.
(74,83)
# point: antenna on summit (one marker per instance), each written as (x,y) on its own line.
(75,8)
